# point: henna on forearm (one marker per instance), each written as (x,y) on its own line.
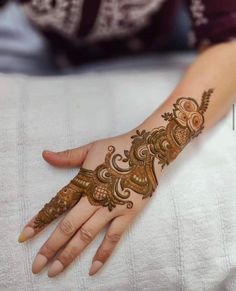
(111,183)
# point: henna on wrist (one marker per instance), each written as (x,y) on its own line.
(111,183)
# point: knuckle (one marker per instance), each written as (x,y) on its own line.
(103,254)
(66,257)
(74,250)
(113,237)
(68,155)
(47,250)
(66,227)
(85,235)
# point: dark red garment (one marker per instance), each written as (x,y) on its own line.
(81,30)
(213,21)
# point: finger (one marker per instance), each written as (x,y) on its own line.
(65,199)
(82,238)
(110,241)
(67,158)
(63,232)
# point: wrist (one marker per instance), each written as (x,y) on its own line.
(170,128)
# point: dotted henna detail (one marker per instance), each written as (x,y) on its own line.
(112,182)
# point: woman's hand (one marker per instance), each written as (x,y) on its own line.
(95,198)
(116,176)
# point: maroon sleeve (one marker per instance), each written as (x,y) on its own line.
(213,21)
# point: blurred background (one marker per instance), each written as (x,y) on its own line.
(24,50)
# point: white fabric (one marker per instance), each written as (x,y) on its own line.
(185,239)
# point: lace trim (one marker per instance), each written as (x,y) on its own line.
(197,9)
(61,15)
(118,18)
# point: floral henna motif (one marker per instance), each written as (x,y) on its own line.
(111,183)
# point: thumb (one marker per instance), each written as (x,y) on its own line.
(67,158)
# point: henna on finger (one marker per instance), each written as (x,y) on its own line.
(65,199)
(112,182)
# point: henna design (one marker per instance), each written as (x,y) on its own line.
(111,183)
(65,199)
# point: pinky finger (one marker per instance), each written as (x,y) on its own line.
(111,239)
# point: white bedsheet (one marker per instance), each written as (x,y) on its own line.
(185,239)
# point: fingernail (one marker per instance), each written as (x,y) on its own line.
(26,234)
(96,265)
(55,269)
(39,263)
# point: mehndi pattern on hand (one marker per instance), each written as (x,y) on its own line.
(111,183)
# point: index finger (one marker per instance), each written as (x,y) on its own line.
(64,200)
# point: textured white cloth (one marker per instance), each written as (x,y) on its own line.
(185,239)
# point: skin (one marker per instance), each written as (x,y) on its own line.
(213,68)
(111,183)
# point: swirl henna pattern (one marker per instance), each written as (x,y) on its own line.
(111,183)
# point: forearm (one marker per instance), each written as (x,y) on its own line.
(118,171)
(213,68)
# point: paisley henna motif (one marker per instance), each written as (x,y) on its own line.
(112,182)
